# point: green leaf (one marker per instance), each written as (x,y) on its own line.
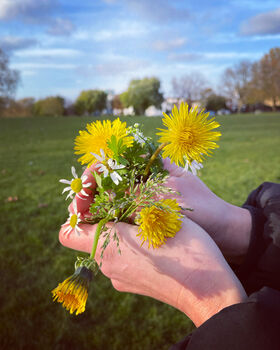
(117,147)
(112,144)
(98,179)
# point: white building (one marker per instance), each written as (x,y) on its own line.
(152,111)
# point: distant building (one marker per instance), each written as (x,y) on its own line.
(109,105)
(152,111)
(128,111)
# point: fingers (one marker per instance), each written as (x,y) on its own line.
(84,240)
(83,202)
(173,169)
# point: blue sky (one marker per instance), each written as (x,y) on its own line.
(65,46)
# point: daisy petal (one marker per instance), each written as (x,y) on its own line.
(119,166)
(186,167)
(193,169)
(67,182)
(77,194)
(75,207)
(115,177)
(66,189)
(68,230)
(70,194)
(97,156)
(74,172)
(105,172)
(84,178)
(84,193)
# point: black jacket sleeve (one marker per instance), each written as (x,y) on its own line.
(254,324)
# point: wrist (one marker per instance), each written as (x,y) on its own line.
(222,290)
(237,233)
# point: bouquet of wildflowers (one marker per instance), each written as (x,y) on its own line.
(129,177)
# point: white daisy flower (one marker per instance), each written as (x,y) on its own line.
(73,221)
(77,185)
(106,167)
(137,134)
(139,137)
(194,166)
(101,158)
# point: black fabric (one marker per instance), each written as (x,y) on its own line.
(254,324)
(251,325)
(262,263)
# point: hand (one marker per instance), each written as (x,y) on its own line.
(188,272)
(228,225)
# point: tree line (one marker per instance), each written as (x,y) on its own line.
(246,85)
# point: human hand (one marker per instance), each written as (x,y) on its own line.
(188,272)
(228,225)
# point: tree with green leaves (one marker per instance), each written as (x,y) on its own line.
(215,102)
(141,94)
(50,106)
(90,101)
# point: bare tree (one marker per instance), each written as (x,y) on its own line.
(9,78)
(235,82)
(189,87)
(266,77)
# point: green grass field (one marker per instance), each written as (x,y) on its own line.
(35,153)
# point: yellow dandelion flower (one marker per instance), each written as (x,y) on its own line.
(189,135)
(96,137)
(73,292)
(156,223)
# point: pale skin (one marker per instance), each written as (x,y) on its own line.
(189,272)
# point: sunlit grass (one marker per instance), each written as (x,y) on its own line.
(35,153)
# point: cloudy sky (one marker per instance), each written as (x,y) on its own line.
(65,46)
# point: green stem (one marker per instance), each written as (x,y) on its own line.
(152,159)
(100,226)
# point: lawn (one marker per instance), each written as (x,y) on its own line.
(35,153)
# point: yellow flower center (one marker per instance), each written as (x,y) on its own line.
(77,185)
(186,138)
(73,220)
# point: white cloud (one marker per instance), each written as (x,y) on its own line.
(262,24)
(34,65)
(120,67)
(24,9)
(231,55)
(185,57)
(49,53)
(194,56)
(167,45)
(36,12)
(227,38)
(121,30)
(28,73)
(61,27)
(82,34)
(157,10)
(12,43)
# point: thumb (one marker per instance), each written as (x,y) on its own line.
(82,242)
